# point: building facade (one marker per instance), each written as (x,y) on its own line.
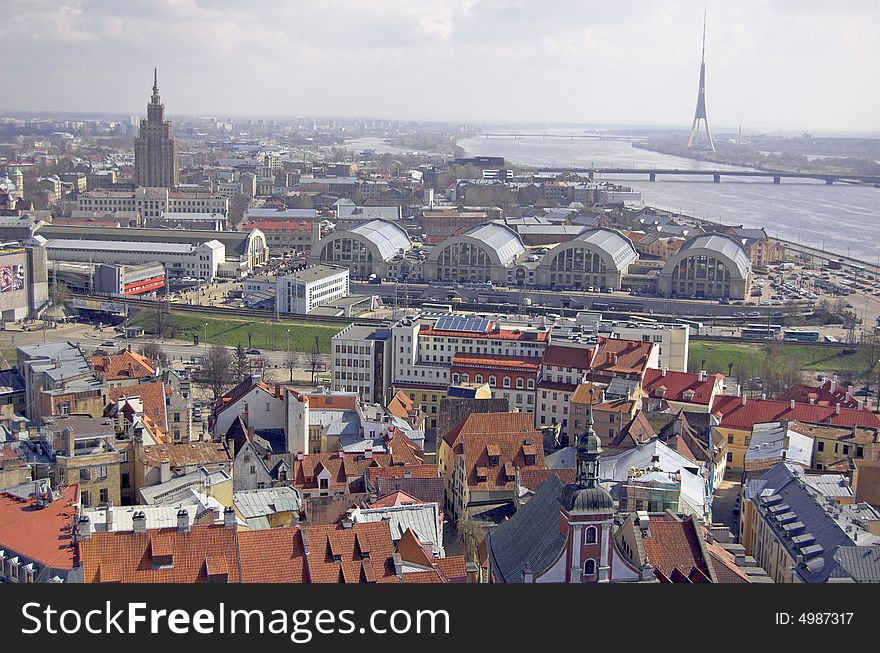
(155,151)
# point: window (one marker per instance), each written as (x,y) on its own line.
(730,456)
(506,381)
(86,499)
(101,471)
(123,456)
(124,481)
(590,535)
(492,380)
(105,495)
(519,383)
(589,568)
(730,439)
(85,474)
(820,445)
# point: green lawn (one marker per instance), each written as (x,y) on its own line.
(231,331)
(810,358)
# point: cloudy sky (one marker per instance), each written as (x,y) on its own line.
(771,64)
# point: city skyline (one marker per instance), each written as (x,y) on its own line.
(394,61)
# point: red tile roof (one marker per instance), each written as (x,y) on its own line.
(622,356)
(40,534)
(362,553)
(129,557)
(736,415)
(180,455)
(124,365)
(152,396)
(674,545)
(408,471)
(675,385)
(275,555)
(518,423)
(575,357)
(396,498)
(827,394)
(481,474)
(512,363)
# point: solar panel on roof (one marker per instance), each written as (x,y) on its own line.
(462,323)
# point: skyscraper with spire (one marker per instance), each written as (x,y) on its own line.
(695,140)
(155,152)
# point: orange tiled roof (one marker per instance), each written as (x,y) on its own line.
(124,365)
(480,474)
(152,396)
(409,471)
(182,454)
(737,415)
(622,356)
(516,363)
(43,535)
(674,544)
(827,394)
(574,357)
(362,553)
(275,555)
(676,385)
(160,555)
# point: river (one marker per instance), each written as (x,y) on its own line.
(839,218)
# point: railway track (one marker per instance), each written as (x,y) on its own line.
(264,315)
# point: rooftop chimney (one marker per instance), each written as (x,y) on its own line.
(744,399)
(791,404)
(139,522)
(165,471)
(229,519)
(663,371)
(702,375)
(182,521)
(837,409)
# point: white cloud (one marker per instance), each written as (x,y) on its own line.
(770,64)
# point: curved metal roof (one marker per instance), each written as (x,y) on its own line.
(619,248)
(503,240)
(715,245)
(388,237)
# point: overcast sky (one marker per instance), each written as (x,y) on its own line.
(797,65)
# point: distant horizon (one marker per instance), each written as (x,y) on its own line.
(507,124)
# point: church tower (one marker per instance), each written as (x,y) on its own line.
(588,512)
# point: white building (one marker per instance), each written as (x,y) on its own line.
(152,202)
(203,221)
(361,362)
(305,290)
(671,340)
(180,259)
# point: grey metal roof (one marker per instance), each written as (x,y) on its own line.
(259,503)
(861,563)
(830,525)
(423,519)
(503,240)
(612,243)
(716,244)
(388,238)
(531,537)
(281,214)
(141,246)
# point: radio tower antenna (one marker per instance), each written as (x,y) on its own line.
(695,142)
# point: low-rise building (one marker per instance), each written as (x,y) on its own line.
(360,357)
(305,290)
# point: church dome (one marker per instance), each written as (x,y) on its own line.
(577,499)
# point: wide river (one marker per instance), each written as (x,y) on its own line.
(839,218)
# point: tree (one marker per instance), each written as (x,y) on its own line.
(154,352)
(313,360)
(240,363)
(159,322)
(217,369)
(290,362)
(238,205)
(470,535)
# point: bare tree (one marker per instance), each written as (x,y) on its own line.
(290,362)
(470,535)
(154,352)
(217,369)
(313,360)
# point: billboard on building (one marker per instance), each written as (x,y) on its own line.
(11,278)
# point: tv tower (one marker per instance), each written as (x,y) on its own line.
(695,142)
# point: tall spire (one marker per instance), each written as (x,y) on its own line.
(703,55)
(695,140)
(155,97)
(588,450)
